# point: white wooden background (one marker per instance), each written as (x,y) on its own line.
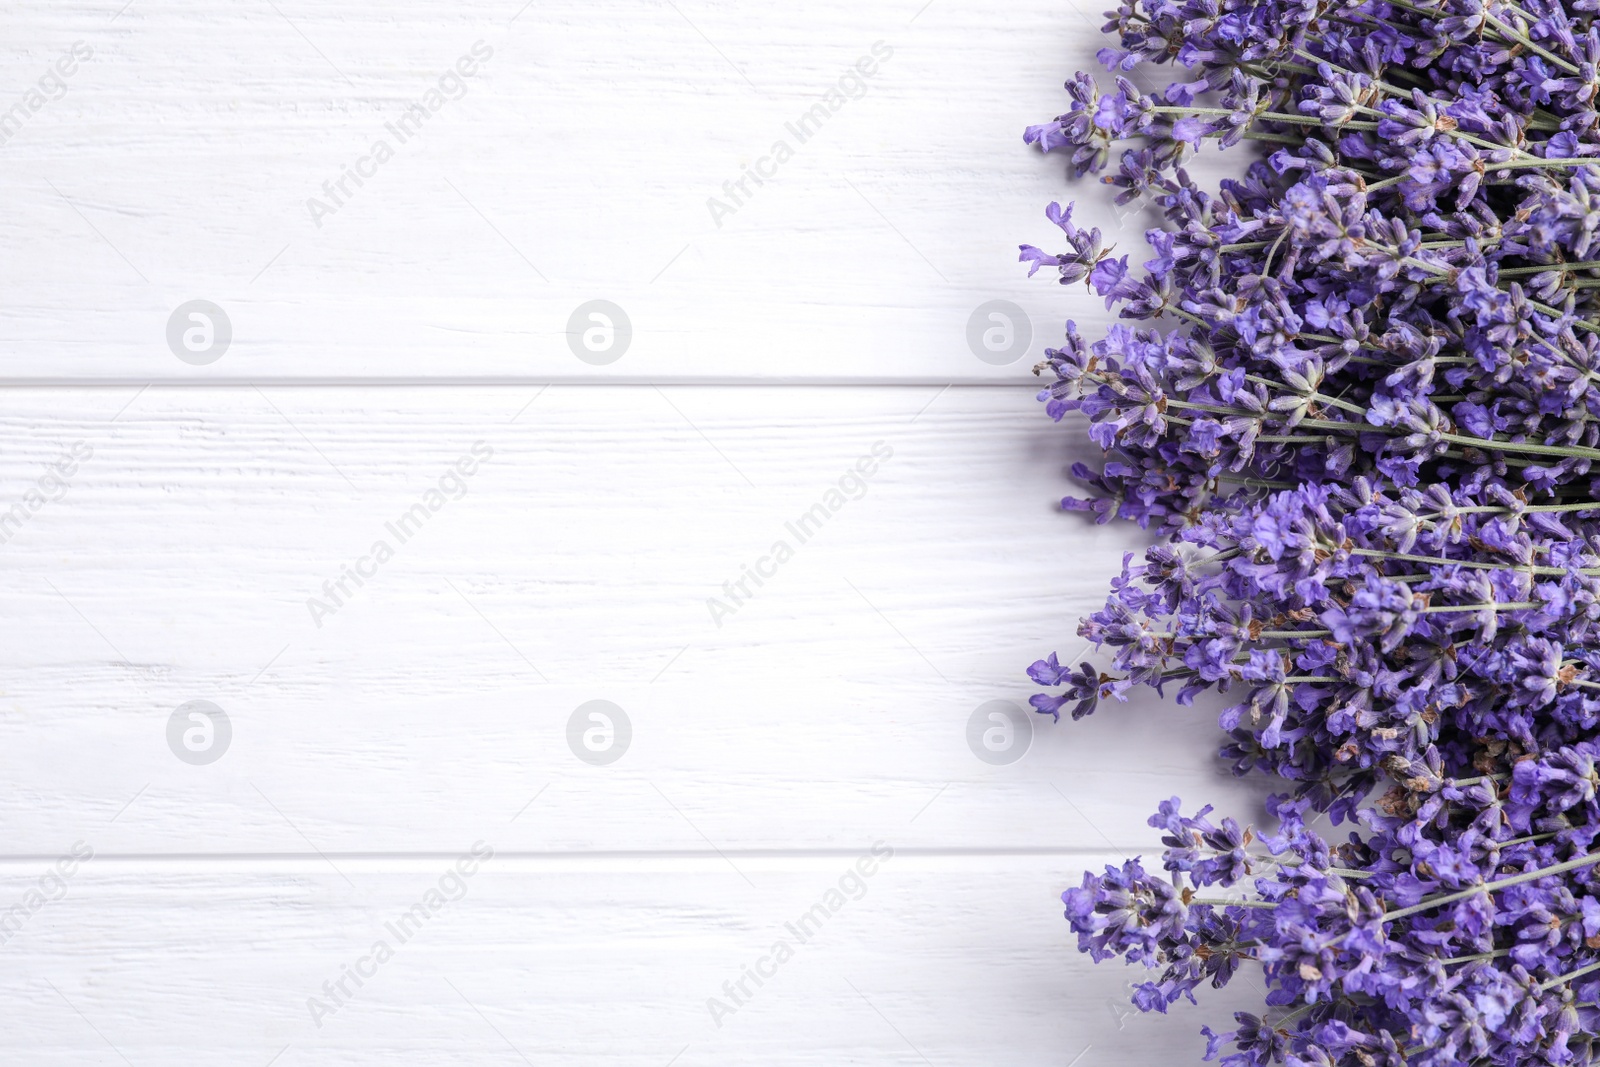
(429,313)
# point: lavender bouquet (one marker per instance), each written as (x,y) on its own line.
(1357,393)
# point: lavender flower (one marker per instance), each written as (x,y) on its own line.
(1357,393)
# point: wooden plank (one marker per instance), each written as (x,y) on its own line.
(924,961)
(576,163)
(831,706)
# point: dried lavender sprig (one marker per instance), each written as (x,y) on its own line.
(1421,237)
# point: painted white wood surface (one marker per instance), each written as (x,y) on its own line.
(585,962)
(430,710)
(832,704)
(825,714)
(578,164)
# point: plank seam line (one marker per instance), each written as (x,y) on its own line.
(577,856)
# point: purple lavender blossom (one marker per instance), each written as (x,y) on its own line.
(1356,390)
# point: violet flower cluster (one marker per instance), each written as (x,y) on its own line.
(1357,392)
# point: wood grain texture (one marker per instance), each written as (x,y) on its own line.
(828,712)
(928,961)
(830,706)
(577,165)
(165,525)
